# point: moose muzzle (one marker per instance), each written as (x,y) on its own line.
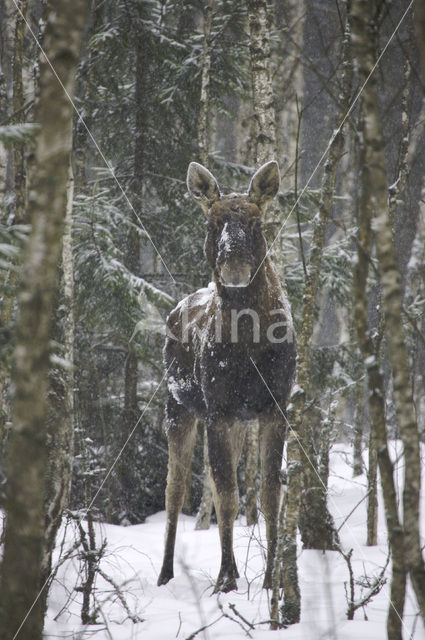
(235,273)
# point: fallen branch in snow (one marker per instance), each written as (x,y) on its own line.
(236,612)
(226,615)
(374,585)
(205,626)
(133,617)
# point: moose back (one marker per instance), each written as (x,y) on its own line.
(230,357)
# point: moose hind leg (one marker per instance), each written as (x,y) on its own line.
(272,437)
(181,441)
(225,442)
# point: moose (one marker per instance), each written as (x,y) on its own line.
(228,364)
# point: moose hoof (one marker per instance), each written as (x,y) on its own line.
(165,576)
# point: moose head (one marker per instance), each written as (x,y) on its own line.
(235,244)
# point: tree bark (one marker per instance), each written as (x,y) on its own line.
(251,472)
(372,492)
(204,102)
(19,169)
(376,397)
(24,533)
(203,519)
(60,429)
(415,290)
(262,89)
(391,296)
(263,145)
(290,17)
(6,55)
(359,418)
(132,262)
(316,521)
(419,23)
(18,103)
(299,453)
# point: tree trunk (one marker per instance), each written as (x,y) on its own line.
(376,397)
(286,572)
(419,23)
(299,462)
(391,296)
(203,519)
(6,46)
(316,520)
(263,145)
(251,472)
(415,290)
(262,89)
(18,103)
(372,492)
(359,419)
(290,17)
(60,429)
(24,533)
(19,169)
(132,262)
(204,102)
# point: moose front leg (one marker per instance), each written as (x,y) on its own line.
(181,441)
(225,441)
(272,438)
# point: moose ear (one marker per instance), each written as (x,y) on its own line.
(202,185)
(264,184)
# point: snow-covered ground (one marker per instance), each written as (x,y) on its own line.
(133,559)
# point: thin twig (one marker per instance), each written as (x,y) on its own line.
(353,510)
(236,612)
(206,626)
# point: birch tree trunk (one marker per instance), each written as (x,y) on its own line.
(262,89)
(18,103)
(203,518)
(204,102)
(5,74)
(24,533)
(415,290)
(359,419)
(376,398)
(18,164)
(290,17)
(419,24)
(60,429)
(372,500)
(132,262)
(391,297)
(263,145)
(251,471)
(415,283)
(6,39)
(316,525)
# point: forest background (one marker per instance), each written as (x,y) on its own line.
(159,84)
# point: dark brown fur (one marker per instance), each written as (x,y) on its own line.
(212,376)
